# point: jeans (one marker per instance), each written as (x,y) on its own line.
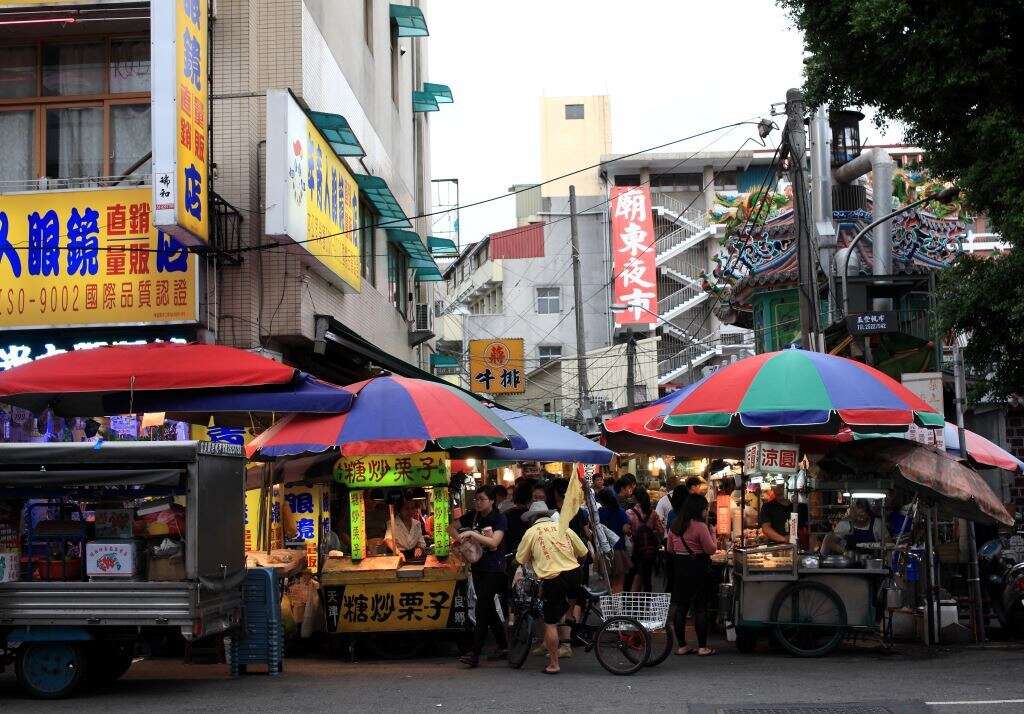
(690,578)
(487,585)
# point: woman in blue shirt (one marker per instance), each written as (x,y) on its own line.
(612,517)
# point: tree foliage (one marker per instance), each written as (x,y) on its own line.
(950,71)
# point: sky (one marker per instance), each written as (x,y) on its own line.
(671,67)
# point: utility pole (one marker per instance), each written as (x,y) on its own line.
(630,368)
(581,344)
(974,581)
(807,259)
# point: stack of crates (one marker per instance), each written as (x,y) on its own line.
(261,638)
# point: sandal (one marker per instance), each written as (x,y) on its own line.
(684,651)
(708,652)
(550,671)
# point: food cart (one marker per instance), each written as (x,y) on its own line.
(367,591)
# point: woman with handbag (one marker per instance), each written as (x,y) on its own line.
(691,544)
(486,527)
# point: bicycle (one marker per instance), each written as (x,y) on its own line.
(622,644)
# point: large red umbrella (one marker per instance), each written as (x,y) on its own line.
(79,383)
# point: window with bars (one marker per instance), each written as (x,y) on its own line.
(548,353)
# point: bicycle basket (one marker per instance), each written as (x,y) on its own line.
(651,609)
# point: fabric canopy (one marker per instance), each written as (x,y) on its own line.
(77,383)
(927,471)
(546,441)
(980,450)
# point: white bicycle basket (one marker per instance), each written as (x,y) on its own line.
(651,609)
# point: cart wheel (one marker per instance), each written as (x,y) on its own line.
(521,639)
(50,670)
(810,619)
(746,639)
(622,645)
(661,645)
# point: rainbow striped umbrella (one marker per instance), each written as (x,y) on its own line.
(391,415)
(797,389)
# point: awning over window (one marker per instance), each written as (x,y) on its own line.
(438,359)
(338,133)
(419,258)
(409,21)
(442,92)
(442,247)
(424,102)
(384,202)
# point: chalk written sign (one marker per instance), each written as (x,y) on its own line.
(429,468)
(764,457)
(872,323)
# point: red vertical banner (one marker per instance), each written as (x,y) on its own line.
(633,252)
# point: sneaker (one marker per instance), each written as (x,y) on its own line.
(564,651)
(470,660)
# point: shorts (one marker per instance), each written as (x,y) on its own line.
(558,592)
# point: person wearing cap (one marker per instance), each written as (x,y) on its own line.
(555,557)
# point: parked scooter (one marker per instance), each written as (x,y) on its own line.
(1001,566)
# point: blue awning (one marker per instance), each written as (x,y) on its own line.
(409,21)
(442,247)
(442,92)
(338,133)
(547,442)
(419,257)
(439,359)
(376,191)
(424,102)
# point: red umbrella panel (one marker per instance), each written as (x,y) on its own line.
(391,415)
(76,383)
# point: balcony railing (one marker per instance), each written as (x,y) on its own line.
(81,182)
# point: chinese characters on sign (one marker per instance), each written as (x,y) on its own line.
(306,518)
(633,256)
(429,468)
(72,258)
(255,520)
(180,122)
(441,507)
(497,366)
(312,197)
(766,458)
(872,323)
(395,606)
(357,523)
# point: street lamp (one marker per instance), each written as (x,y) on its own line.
(946,195)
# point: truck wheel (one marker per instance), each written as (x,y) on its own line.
(107,664)
(50,670)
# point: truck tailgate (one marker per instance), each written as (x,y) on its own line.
(106,603)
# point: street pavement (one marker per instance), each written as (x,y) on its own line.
(858,681)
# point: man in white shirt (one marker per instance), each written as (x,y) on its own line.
(664,506)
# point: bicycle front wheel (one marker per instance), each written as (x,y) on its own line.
(622,645)
(520,639)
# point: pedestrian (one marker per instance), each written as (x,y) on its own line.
(503,503)
(612,517)
(691,543)
(665,503)
(624,489)
(486,527)
(521,497)
(555,558)
(647,534)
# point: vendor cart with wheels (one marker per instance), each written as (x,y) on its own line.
(808,610)
(395,603)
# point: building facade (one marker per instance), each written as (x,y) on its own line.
(87,251)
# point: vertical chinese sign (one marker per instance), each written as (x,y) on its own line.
(497,366)
(302,518)
(633,253)
(312,197)
(766,458)
(180,98)
(357,523)
(75,258)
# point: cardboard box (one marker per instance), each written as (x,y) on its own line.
(165,569)
(112,559)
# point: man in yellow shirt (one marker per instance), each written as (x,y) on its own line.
(555,558)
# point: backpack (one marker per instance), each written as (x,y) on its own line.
(645,541)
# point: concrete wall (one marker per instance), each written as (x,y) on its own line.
(318,49)
(568,144)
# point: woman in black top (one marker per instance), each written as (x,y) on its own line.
(488,528)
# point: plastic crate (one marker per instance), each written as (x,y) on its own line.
(260,640)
